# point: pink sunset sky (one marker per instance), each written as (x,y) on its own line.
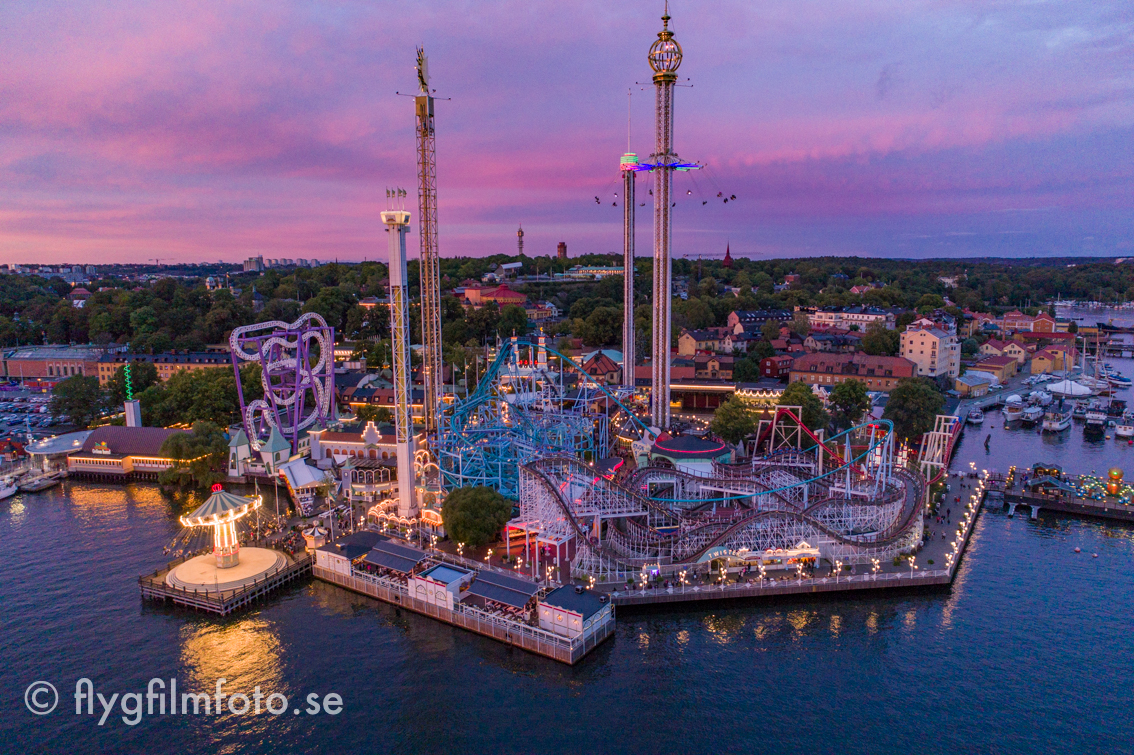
(198,131)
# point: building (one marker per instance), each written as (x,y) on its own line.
(878,373)
(592,272)
(122,453)
(570,611)
(501,295)
(78,297)
(166,363)
(713,366)
(561,250)
(844,318)
(752,320)
(827,342)
(1002,368)
(974,384)
(692,341)
(687,453)
(39,362)
(1053,359)
(934,351)
(371,442)
(603,369)
(994,347)
(254,265)
(776,367)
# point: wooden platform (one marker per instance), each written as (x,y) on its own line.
(538,641)
(224,602)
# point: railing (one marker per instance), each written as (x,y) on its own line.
(779,585)
(466,616)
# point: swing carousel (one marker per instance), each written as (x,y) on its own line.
(225,517)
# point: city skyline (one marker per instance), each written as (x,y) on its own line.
(879,129)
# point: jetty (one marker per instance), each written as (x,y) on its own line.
(222,601)
(1059,494)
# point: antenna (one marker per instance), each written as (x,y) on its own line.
(629,95)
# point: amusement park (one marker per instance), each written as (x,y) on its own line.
(605,497)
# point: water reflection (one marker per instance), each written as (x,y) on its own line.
(246,652)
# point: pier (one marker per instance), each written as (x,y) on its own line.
(510,632)
(221,602)
(1109,507)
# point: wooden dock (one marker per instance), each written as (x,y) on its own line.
(513,633)
(1108,508)
(222,603)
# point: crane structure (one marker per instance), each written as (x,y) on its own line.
(430,277)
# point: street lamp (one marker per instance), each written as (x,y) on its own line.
(876,566)
(461,549)
(763,573)
(681,575)
(838,570)
(488,556)
(912,566)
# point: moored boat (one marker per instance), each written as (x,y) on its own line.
(1056,420)
(975,416)
(1013,408)
(1032,414)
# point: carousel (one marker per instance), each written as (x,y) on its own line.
(228,566)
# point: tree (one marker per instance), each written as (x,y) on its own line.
(142,376)
(77,398)
(800,325)
(475,515)
(770,330)
(880,341)
(200,456)
(375,414)
(800,394)
(733,421)
(970,346)
(1072,327)
(746,370)
(762,350)
(513,321)
(912,407)
(849,402)
(602,327)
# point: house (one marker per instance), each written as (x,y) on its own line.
(713,367)
(1053,359)
(832,342)
(934,351)
(603,369)
(569,611)
(845,318)
(36,362)
(998,348)
(501,295)
(1016,320)
(776,367)
(878,373)
(78,297)
(1003,368)
(739,342)
(753,320)
(692,341)
(974,384)
(368,443)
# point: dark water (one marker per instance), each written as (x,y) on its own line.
(1029,652)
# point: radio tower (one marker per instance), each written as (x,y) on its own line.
(665,58)
(629,167)
(397,225)
(430,279)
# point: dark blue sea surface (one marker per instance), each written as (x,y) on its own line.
(1030,651)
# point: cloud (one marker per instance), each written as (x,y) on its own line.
(212,129)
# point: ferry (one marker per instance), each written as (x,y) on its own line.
(1056,420)
(976,416)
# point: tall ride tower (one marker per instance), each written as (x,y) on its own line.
(430,278)
(665,58)
(397,225)
(629,167)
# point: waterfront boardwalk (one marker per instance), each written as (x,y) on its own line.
(513,633)
(889,576)
(1014,497)
(222,602)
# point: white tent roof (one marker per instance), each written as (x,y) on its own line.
(1069,388)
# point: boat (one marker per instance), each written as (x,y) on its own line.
(1080,409)
(9,486)
(1056,420)
(1013,408)
(36,483)
(1032,414)
(1118,381)
(1096,417)
(975,417)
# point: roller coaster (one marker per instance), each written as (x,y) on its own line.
(532,402)
(852,508)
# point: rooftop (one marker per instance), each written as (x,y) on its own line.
(585,603)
